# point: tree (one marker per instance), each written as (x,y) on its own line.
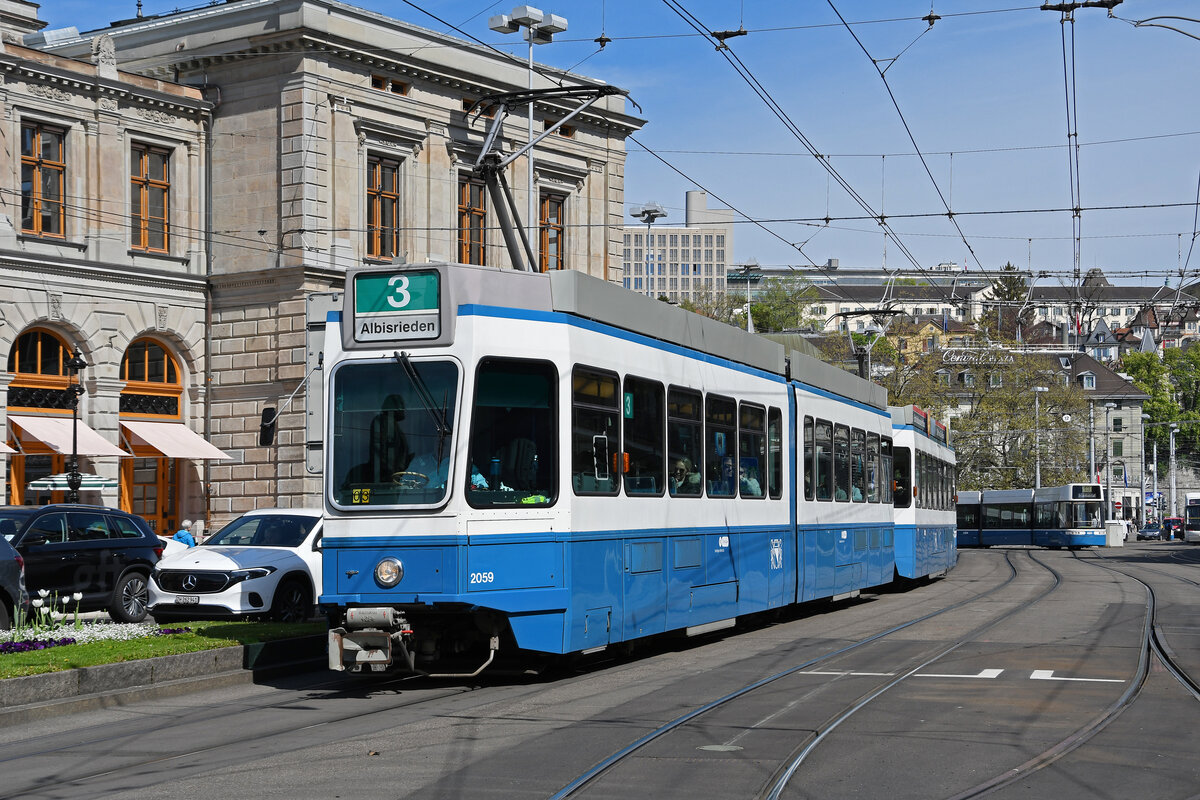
(781,304)
(992,422)
(1009,293)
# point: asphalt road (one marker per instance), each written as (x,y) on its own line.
(1030,676)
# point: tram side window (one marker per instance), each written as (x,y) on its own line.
(807,465)
(513,447)
(775,453)
(720,415)
(752,452)
(968,516)
(595,431)
(1049,515)
(841,463)
(858,465)
(872,467)
(902,477)
(644,417)
(885,468)
(823,459)
(685,443)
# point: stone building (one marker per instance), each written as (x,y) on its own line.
(340,137)
(102,253)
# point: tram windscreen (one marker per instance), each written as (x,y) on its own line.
(391,432)
(1191,517)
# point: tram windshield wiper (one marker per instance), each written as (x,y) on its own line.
(437,413)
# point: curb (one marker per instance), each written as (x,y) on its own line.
(36,697)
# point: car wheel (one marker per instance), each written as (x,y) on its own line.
(5,617)
(292,602)
(131,595)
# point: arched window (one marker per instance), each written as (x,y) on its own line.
(38,362)
(151,481)
(152,380)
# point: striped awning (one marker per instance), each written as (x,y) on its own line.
(60,483)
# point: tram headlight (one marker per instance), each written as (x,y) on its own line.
(389,572)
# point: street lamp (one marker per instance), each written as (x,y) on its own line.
(74,390)
(1108,506)
(647,214)
(1174,427)
(1037,437)
(1142,510)
(539,29)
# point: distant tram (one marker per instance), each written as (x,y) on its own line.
(1191,517)
(1053,516)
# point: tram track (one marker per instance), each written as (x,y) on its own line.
(234,742)
(786,771)
(1153,644)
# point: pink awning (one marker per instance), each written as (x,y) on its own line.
(5,448)
(56,433)
(172,439)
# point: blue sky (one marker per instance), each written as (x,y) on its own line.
(982,92)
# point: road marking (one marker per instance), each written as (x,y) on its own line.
(987,673)
(1048,675)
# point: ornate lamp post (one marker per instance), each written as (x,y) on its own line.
(74,479)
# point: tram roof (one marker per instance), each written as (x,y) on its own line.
(584,296)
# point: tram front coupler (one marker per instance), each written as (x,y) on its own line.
(374,637)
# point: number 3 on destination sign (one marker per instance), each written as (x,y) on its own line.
(400,284)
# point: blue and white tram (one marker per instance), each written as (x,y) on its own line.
(1069,516)
(548,463)
(1006,517)
(1191,517)
(969,518)
(926,542)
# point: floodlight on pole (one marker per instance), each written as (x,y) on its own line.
(647,214)
(539,29)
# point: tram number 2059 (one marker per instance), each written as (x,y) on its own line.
(482,577)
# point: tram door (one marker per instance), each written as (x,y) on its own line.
(645,588)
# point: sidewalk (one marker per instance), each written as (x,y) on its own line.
(71,691)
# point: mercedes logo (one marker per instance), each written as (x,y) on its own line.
(190,583)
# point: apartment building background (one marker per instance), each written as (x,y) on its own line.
(680,262)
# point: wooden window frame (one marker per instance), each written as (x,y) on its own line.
(472,219)
(383,242)
(141,185)
(548,224)
(164,388)
(40,164)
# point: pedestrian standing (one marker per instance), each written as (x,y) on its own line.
(184,534)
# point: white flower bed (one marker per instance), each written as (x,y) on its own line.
(85,632)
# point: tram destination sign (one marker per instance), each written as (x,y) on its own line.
(396,306)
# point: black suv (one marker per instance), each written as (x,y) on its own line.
(13,599)
(102,553)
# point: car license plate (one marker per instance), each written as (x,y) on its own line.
(187,599)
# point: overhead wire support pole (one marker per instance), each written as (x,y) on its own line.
(491,162)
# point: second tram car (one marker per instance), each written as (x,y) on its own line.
(924,494)
(547,463)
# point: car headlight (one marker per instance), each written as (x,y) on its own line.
(250,574)
(389,572)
